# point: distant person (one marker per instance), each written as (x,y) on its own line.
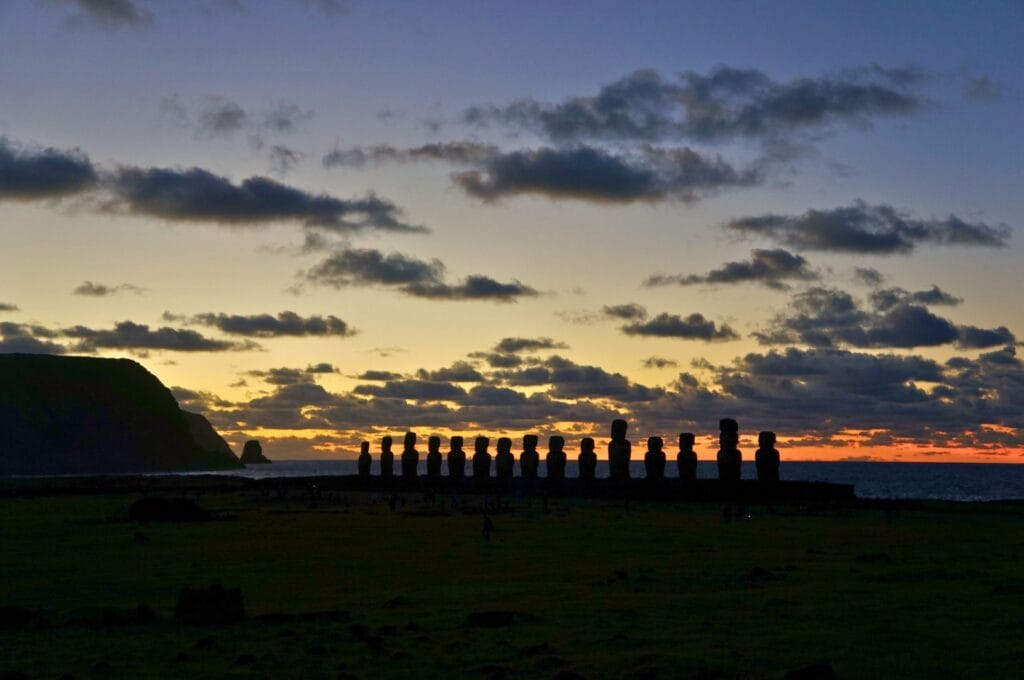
(555,460)
(456,458)
(654,459)
(767,458)
(410,456)
(619,451)
(686,460)
(529,460)
(434,458)
(504,461)
(588,459)
(387,458)
(481,459)
(729,458)
(365,460)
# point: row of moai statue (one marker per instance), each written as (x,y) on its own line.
(619,456)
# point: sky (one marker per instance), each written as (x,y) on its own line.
(323,221)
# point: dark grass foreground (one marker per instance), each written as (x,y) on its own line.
(588,588)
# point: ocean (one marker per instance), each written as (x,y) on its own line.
(937,481)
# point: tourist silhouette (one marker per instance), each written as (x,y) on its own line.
(555,460)
(686,460)
(729,456)
(387,458)
(529,460)
(410,456)
(587,460)
(434,458)
(654,459)
(504,461)
(481,459)
(767,458)
(619,451)
(365,460)
(456,458)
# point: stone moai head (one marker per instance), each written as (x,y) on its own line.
(619,428)
(434,444)
(728,425)
(410,440)
(481,444)
(587,445)
(766,439)
(385,443)
(504,445)
(655,444)
(457,443)
(556,443)
(729,440)
(530,442)
(364,448)
(686,441)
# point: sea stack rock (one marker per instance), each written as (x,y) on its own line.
(767,458)
(654,459)
(434,458)
(252,453)
(504,461)
(456,458)
(619,451)
(686,460)
(410,456)
(481,459)
(387,458)
(588,459)
(555,459)
(729,456)
(365,460)
(529,459)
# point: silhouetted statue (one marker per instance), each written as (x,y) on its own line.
(456,459)
(434,458)
(410,456)
(556,457)
(767,458)
(252,453)
(529,460)
(729,456)
(654,459)
(364,459)
(687,458)
(588,459)
(619,451)
(481,459)
(504,461)
(387,458)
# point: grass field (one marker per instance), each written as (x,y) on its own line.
(599,590)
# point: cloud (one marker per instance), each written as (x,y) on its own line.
(109,13)
(972,337)
(419,390)
(196,195)
(659,362)
(862,228)
(8,307)
(887,298)
(771,268)
(629,311)
(570,380)
(285,118)
(451,152)
(90,289)
(34,174)
(327,7)
(982,88)
(591,174)
(129,335)
(460,371)
(283,159)
(868,276)
(520,345)
(322,367)
(285,324)
(411,276)
(16,337)
(722,105)
(220,116)
(693,327)
(379,375)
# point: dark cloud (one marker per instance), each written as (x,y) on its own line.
(128,335)
(285,119)
(282,376)
(693,327)
(591,174)
(90,289)
(519,345)
(8,307)
(283,159)
(887,298)
(450,152)
(322,367)
(460,371)
(972,337)
(868,276)
(722,105)
(110,13)
(630,311)
(33,174)
(414,277)
(863,228)
(771,268)
(220,116)
(379,376)
(16,337)
(196,195)
(269,326)
(659,362)
(419,390)
(498,360)
(570,380)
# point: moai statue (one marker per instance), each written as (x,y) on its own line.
(529,460)
(387,458)
(504,461)
(587,459)
(434,457)
(364,459)
(456,459)
(654,459)
(556,457)
(619,451)
(729,456)
(767,458)
(481,459)
(410,456)
(687,458)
